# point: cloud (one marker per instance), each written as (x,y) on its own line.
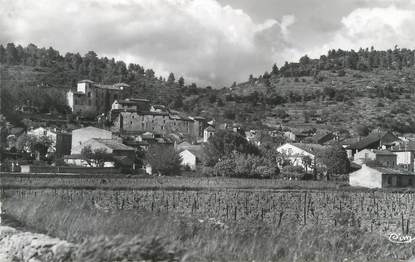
(382,28)
(203,40)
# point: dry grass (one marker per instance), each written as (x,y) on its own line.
(110,236)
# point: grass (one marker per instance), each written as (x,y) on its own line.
(110,236)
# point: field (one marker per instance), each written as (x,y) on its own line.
(219,220)
(381,211)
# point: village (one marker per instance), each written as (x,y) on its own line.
(126,127)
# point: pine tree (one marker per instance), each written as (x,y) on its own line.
(2,54)
(181,81)
(171,79)
(275,70)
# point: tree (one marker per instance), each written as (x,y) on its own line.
(224,143)
(362,130)
(275,70)
(38,147)
(11,54)
(96,157)
(149,73)
(181,81)
(164,160)
(333,160)
(246,166)
(171,79)
(2,54)
(307,162)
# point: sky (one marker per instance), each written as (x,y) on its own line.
(210,42)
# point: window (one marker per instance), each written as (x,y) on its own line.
(389,180)
(89,94)
(410,182)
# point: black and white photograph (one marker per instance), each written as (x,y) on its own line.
(207,131)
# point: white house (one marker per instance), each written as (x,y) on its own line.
(192,156)
(208,132)
(296,152)
(381,177)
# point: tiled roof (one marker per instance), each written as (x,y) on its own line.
(383,152)
(86,81)
(127,102)
(393,171)
(310,148)
(113,144)
(139,99)
(196,150)
(372,138)
(405,146)
(111,87)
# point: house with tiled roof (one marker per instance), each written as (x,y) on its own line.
(191,156)
(323,138)
(114,149)
(296,153)
(131,104)
(384,158)
(375,140)
(381,177)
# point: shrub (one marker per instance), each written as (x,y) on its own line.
(246,166)
(165,161)
(224,143)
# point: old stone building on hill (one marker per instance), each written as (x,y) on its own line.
(91,98)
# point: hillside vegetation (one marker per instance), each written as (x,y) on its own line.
(335,92)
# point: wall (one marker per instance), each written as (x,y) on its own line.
(405,158)
(363,155)
(161,123)
(63,144)
(68,169)
(386,160)
(366,177)
(79,136)
(188,159)
(398,181)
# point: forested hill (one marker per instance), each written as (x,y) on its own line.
(339,90)
(40,77)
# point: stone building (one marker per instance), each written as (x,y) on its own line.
(91,98)
(132,122)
